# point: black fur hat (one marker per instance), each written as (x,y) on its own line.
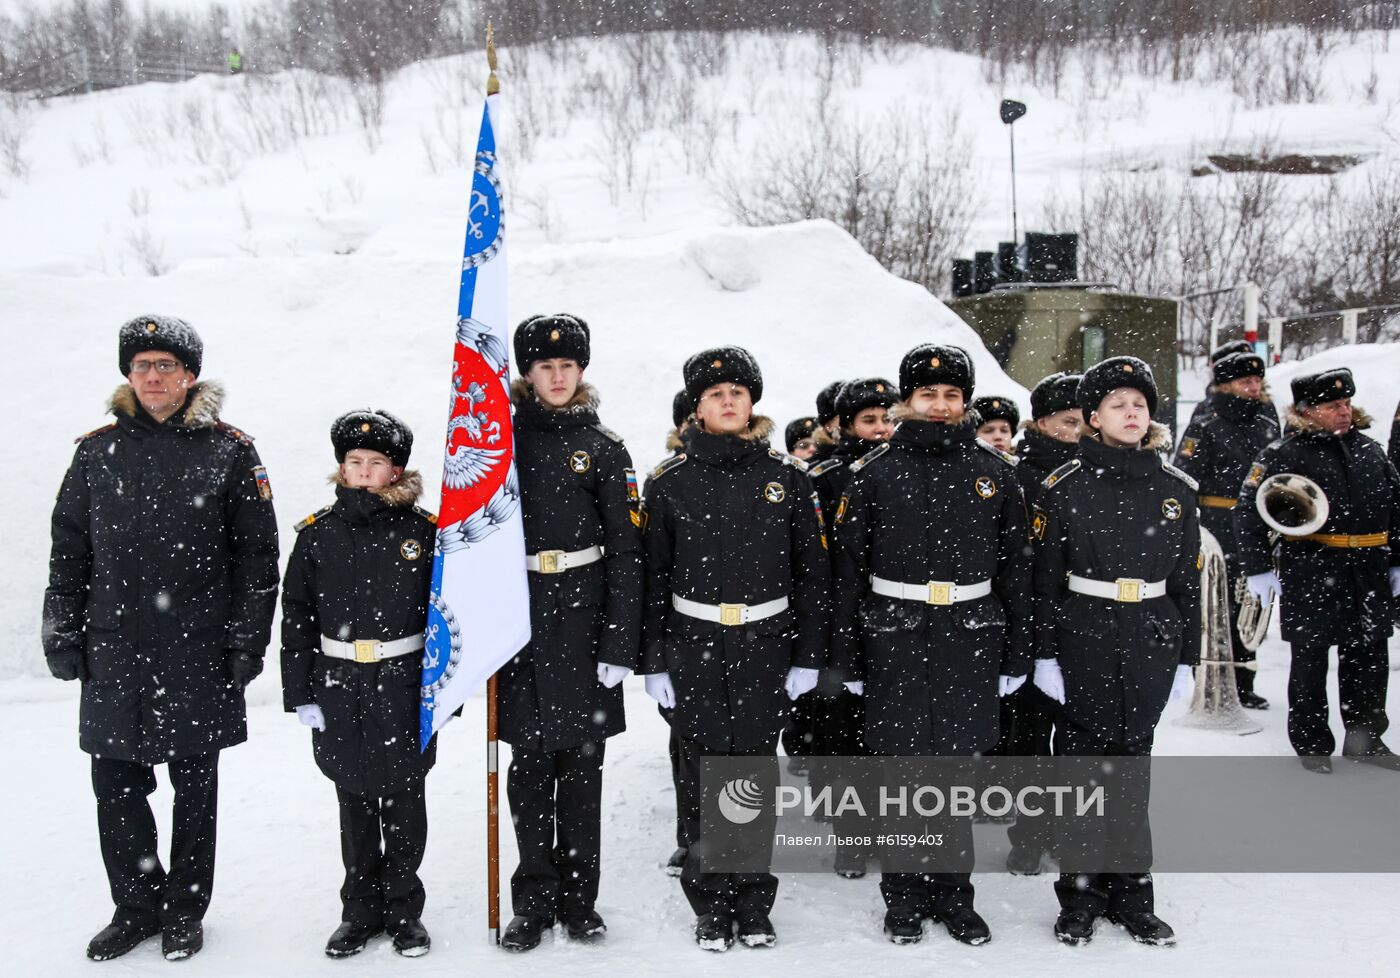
(1238,365)
(377,431)
(1108,375)
(798,430)
(725,364)
(1230,349)
(164,333)
(857,395)
(1330,385)
(929,363)
(1055,393)
(996,408)
(682,407)
(547,337)
(826,401)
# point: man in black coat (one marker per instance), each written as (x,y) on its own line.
(1217,451)
(354,607)
(932,581)
(561,696)
(1117,611)
(162,586)
(1050,439)
(1335,585)
(735,625)
(1206,407)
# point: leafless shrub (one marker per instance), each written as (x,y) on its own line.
(16,122)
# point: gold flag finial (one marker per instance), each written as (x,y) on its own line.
(493,84)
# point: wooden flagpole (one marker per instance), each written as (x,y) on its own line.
(493,794)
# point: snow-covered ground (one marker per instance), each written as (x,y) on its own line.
(322,276)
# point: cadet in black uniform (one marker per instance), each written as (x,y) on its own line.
(1000,418)
(1336,584)
(828,431)
(1206,406)
(1217,451)
(1049,439)
(736,617)
(798,438)
(561,696)
(932,604)
(354,606)
(1117,590)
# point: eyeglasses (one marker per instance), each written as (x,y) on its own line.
(162,366)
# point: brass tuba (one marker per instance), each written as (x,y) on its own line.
(1293,506)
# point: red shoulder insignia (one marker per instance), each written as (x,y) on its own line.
(242,437)
(94,433)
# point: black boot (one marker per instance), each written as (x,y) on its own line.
(1145,927)
(1317,763)
(965,924)
(1023,861)
(1369,749)
(583,924)
(121,935)
(523,933)
(903,926)
(756,930)
(411,938)
(350,939)
(850,864)
(1074,927)
(1251,700)
(676,864)
(714,932)
(181,939)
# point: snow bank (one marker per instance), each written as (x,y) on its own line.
(1376,367)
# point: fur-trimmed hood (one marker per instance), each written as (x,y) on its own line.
(1293,420)
(585,397)
(821,436)
(405,492)
(673,440)
(202,404)
(761,428)
(1158,438)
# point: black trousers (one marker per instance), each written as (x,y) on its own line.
(1123,829)
(556,802)
(1027,729)
(673,748)
(1361,682)
(141,888)
(382,841)
(927,894)
(720,893)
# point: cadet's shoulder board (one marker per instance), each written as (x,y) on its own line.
(607,432)
(427,514)
(674,462)
(787,459)
(1170,469)
(1062,473)
(1188,447)
(1256,475)
(874,455)
(823,467)
(229,431)
(1006,457)
(316,516)
(94,433)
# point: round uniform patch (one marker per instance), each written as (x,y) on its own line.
(580,462)
(774,492)
(410,550)
(986,488)
(1171,509)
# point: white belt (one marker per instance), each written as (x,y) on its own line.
(728,614)
(1129,590)
(371,650)
(933,592)
(557,561)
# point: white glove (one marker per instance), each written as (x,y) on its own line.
(799,681)
(1009,684)
(610,676)
(1395,582)
(659,688)
(1183,684)
(857,687)
(310,715)
(1265,586)
(1049,679)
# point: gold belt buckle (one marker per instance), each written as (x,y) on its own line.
(365,650)
(940,592)
(731,614)
(1130,589)
(549,561)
